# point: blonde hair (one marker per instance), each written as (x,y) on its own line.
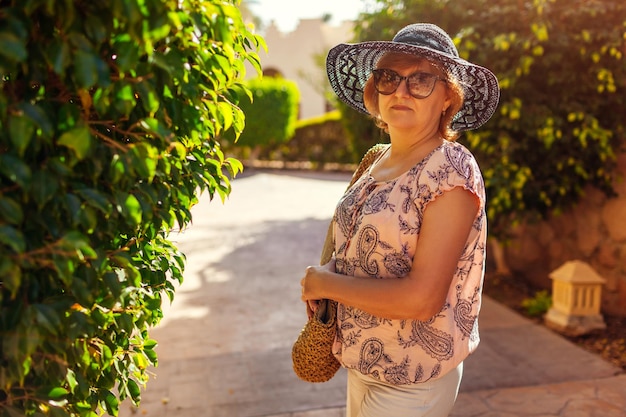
(403,61)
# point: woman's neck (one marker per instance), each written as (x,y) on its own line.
(403,154)
(413,144)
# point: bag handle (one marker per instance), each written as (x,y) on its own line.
(326,309)
(368,159)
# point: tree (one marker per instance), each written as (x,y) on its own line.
(561,67)
(111,115)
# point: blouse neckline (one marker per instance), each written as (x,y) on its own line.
(422,161)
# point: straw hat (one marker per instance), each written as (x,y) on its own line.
(350,65)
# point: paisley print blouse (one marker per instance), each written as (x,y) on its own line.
(376,227)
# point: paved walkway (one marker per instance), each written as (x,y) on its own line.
(225,343)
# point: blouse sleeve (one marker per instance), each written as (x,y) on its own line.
(454,166)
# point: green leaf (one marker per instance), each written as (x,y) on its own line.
(125,100)
(84,409)
(140,361)
(12,47)
(134,278)
(234,166)
(47,317)
(10,211)
(79,140)
(135,392)
(39,116)
(102,100)
(155,127)
(129,207)
(225,110)
(11,274)
(87,217)
(86,68)
(58,55)
(122,259)
(95,28)
(133,208)
(95,199)
(15,169)
(152,356)
(149,98)
(126,55)
(70,377)
(43,187)
(57,393)
(112,404)
(145,160)
(76,241)
(125,323)
(68,116)
(107,355)
(150,344)
(117,169)
(113,283)
(21,131)
(65,269)
(13,238)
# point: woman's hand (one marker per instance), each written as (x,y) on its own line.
(310,294)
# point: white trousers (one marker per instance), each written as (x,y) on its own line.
(368,397)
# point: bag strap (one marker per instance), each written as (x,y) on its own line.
(326,311)
(368,159)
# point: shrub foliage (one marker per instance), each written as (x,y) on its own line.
(271,112)
(110,116)
(320,141)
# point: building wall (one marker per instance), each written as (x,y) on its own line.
(300,56)
(594,231)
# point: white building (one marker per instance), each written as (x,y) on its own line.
(300,56)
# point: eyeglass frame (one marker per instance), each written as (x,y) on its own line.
(377,73)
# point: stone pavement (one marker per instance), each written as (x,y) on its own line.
(225,342)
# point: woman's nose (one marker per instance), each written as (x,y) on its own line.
(403,88)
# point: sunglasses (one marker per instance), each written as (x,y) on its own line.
(419,84)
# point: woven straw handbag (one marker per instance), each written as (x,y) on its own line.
(313,359)
(312,356)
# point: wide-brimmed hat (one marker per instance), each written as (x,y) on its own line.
(349,65)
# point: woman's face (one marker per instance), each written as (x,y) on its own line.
(402,109)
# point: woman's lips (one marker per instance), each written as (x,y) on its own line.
(400,107)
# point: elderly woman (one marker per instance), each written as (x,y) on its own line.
(410,233)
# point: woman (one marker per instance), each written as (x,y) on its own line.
(410,233)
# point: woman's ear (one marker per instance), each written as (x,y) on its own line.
(447,102)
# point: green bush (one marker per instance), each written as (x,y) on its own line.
(319,140)
(271,113)
(110,115)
